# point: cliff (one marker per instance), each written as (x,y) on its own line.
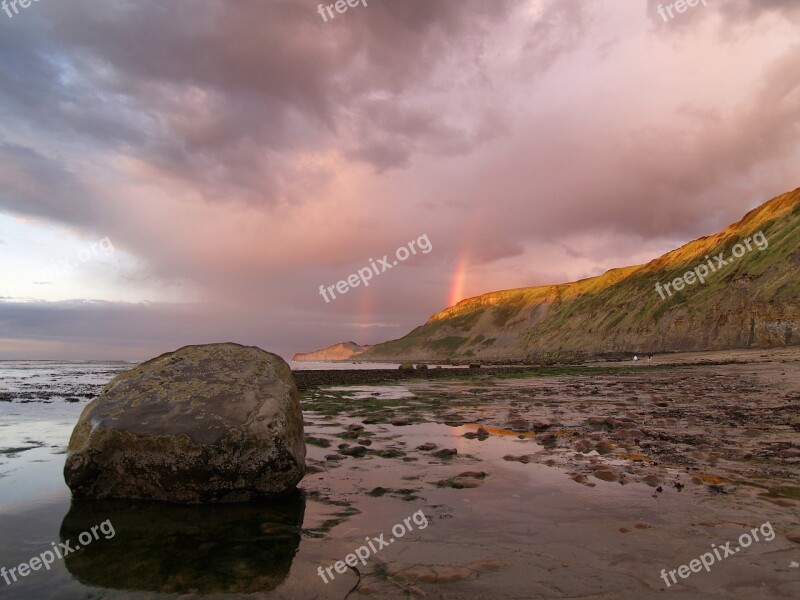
(341,351)
(752,301)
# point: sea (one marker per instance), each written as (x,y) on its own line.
(40,403)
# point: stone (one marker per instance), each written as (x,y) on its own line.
(606,475)
(525,459)
(446,453)
(210,423)
(548,439)
(356,451)
(651,480)
(604,447)
(391,453)
(481,433)
(459,483)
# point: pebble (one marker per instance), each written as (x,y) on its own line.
(606,475)
(446,453)
(604,447)
(522,459)
(651,480)
(356,451)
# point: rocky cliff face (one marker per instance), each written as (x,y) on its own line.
(752,301)
(342,351)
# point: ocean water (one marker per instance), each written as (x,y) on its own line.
(494,528)
(40,402)
(155,549)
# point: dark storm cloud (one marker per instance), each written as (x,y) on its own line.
(207,92)
(35,185)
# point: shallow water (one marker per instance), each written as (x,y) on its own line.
(493,528)
(339,366)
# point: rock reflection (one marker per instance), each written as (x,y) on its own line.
(200,549)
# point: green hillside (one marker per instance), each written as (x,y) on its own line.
(752,302)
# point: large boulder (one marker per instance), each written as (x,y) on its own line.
(213,423)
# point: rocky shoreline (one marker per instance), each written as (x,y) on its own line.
(662,460)
(312,378)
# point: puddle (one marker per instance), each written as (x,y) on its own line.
(379,392)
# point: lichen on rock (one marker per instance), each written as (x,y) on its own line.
(210,423)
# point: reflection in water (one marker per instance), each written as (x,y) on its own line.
(173,548)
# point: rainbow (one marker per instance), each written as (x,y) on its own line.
(459,279)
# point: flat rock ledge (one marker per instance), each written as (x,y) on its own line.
(210,423)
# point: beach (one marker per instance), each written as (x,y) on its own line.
(563,482)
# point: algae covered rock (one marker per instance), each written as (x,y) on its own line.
(211,423)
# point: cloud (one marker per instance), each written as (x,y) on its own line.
(269,79)
(732,13)
(35,185)
(254,152)
(371,325)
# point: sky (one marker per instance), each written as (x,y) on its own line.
(193,171)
